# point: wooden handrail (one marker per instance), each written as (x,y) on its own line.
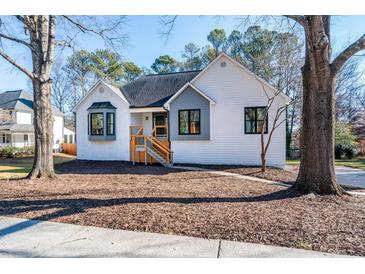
(162,126)
(158,144)
(162,148)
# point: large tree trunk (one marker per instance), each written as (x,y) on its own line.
(43,131)
(316,172)
(42,35)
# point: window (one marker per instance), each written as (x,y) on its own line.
(110,123)
(65,138)
(254,120)
(5,138)
(97,123)
(70,139)
(189,122)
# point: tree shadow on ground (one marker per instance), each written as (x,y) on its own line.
(112,167)
(72,206)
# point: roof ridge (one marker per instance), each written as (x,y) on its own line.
(177,72)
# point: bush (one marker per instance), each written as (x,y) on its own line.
(25,151)
(349,153)
(12,152)
(345,141)
(8,152)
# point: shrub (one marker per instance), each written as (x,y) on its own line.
(345,141)
(8,152)
(25,151)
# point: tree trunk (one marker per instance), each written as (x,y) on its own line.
(42,35)
(263,162)
(316,173)
(43,131)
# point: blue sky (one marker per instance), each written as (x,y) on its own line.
(145,42)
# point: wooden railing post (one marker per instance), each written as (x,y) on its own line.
(145,149)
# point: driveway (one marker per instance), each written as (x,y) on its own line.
(347,176)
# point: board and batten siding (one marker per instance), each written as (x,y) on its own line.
(232,89)
(103,150)
(190,99)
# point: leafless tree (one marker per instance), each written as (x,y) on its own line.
(277,117)
(61,91)
(350,88)
(37,34)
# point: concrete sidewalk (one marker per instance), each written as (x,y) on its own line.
(27,238)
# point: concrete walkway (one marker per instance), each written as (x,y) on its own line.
(26,238)
(351,180)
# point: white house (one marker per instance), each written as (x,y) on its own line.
(213,116)
(16,120)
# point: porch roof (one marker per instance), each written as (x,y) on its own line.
(17,128)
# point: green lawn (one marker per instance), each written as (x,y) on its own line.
(358,162)
(20,167)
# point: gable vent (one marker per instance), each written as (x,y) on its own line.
(101,90)
(223,64)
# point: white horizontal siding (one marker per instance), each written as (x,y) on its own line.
(23,118)
(232,89)
(103,150)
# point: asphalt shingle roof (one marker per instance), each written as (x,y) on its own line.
(154,90)
(98,105)
(16,99)
(19,100)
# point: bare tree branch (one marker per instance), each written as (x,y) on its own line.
(104,32)
(298,18)
(169,22)
(80,26)
(2,35)
(345,55)
(30,74)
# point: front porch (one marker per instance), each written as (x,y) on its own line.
(16,139)
(149,137)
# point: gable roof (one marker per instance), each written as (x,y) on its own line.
(154,90)
(245,69)
(172,98)
(19,100)
(16,99)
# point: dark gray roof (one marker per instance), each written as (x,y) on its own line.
(98,105)
(19,100)
(16,99)
(154,90)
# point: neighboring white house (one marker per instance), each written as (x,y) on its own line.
(211,116)
(68,136)
(16,120)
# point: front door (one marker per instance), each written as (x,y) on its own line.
(160,122)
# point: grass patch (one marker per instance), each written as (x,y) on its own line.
(16,168)
(14,171)
(355,163)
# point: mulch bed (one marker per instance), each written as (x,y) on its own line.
(272,173)
(155,199)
